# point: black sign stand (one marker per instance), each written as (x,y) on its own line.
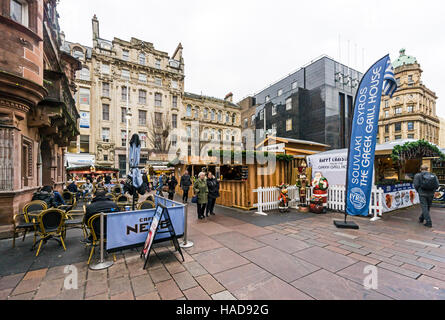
(163,223)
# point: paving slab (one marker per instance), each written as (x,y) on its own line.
(283,243)
(218,260)
(325,259)
(237,241)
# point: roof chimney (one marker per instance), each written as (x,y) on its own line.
(95,22)
(229,97)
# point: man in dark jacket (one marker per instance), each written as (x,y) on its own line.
(426,184)
(172,183)
(100,203)
(185,186)
(213,185)
(46,194)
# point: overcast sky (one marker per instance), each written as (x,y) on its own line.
(243,46)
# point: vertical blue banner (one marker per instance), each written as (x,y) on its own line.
(377,80)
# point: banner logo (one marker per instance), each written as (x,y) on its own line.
(357,198)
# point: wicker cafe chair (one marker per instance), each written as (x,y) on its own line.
(117,190)
(50,226)
(122,201)
(25,222)
(69,197)
(147,204)
(94,227)
(75,219)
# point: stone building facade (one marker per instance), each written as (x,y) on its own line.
(38,117)
(411,112)
(215,124)
(157,103)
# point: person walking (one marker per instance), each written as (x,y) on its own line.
(425,183)
(172,183)
(201,191)
(213,186)
(185,184)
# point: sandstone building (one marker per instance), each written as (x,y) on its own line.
(411,112)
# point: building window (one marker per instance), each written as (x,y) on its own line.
(227,117)
(122,165)
(398,137)
(219,135)
(410,108)
(142,117)
(125,74)
(174,121)
(274,129)
(125,55)
(188,111)
(84,74)
(294,85)
(123,138)
(267,98)
(274,110)
(246,123)
(142,77)
(289,104)
(105,157)
(158,119)
(143,138)
(174,139)
(158,81)
(142,96)
(410,125)
(106,134)
(386,139)
(398,110)
(174,101)
(105,89)
(386,114)
(105,69)
(106,112)
(387,128)
(398,127)
(84,143)
(219,116)
(124,94)
(158,63)
(386,104)
(78,53)
(189,131)
(123,114)
(410,136)
(410,80)
(398,82)
(19,12)
(262,114)
(174,84)
(206,113)
(288,124)
(142,59)
(280,92)
(234,118)
(84,96)
(205,134)
(212,115)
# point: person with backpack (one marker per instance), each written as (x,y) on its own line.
(425,183)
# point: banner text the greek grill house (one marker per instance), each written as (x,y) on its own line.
(379,78)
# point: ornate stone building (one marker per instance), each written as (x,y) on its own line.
(442,133)
(38,117)
(156,85)
(411,112)
(216,122)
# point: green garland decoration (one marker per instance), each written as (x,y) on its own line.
(245,153)
(415,150)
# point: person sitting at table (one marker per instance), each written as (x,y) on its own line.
(100,203)
(87,188)
(72,187)
(58,198)
(45,194)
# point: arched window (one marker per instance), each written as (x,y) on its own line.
(188,112)
(78,53)
(205,134)
(197,113)
(212,115)
(234,118)
(206,113)
(84,74)
(212,134)
(227,117)
(219,135)
(227,135)
(219,116)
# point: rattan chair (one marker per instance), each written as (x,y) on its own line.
(122,201)
(69,197)
(50,226)
(117,190)
(94,227)
(75,219)
(25,222)
(147,204)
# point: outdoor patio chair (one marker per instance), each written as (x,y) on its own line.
(94,227)
(23,220)
(122,201)
(75,219)
(147,204)
(117,190)
(111,196)
(69,197)
(50,226)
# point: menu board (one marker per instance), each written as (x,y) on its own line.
(399,196)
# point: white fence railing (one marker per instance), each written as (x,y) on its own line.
(268,198)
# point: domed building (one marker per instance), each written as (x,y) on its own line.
(411,112)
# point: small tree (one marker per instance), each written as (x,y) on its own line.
(159,131)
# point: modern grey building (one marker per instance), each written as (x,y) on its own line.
(314,103)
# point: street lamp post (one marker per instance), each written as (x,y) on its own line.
(127,117)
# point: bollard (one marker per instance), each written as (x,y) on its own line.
(101,264)
(186,243)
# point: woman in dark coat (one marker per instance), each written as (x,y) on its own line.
(213,186)
(171,182)
(185,184)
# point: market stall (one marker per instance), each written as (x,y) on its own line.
(395,165)
(81,173)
